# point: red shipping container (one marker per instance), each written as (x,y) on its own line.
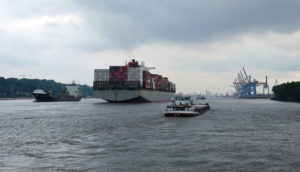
(118,73)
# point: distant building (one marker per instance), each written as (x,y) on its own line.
(208,93)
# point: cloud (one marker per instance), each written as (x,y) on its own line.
(198,44)
(135,22)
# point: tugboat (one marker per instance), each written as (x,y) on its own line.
(183,106)
(72,94)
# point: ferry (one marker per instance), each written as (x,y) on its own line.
(183,106)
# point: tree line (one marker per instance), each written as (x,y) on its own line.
(287,91)
(19,88)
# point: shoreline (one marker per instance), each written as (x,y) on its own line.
(16,99)
(31,98)
(285,99)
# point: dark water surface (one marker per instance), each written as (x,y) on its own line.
(236,135)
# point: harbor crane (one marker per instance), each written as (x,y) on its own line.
(246,87)
(24,76)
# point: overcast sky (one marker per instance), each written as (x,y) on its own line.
(198,44)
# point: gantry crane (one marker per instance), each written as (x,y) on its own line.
(247,88)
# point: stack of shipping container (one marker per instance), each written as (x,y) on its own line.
(131,76)
(135,78)
(147,81)
(118,74)
(101,78)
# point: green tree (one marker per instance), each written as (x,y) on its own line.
(287,91)
(13,87)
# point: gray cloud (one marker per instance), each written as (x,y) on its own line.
(211,37)
(127,24)
(130,23)
(31,8)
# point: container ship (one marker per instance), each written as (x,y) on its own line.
(72,94)
(132,83)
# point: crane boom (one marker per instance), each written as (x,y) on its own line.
(242,77)
(246,75)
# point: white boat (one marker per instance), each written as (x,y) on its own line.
(184,106)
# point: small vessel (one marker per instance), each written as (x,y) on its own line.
(72,94)
(183,106)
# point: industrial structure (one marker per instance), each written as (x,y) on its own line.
(246,87)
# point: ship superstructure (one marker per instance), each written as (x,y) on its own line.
(131,83)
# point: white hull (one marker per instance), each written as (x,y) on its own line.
(142,95)
(181,113)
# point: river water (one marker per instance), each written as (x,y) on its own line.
(91,135)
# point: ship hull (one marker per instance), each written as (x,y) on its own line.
(68,99)
(43,98)
(181,113)
(134,96)
(48,98)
